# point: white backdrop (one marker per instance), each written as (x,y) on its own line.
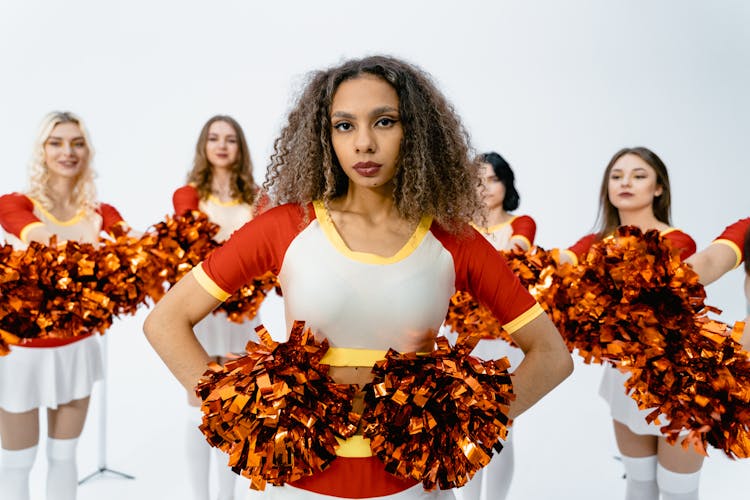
(556,87)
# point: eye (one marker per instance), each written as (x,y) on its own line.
(54,144)
(385,122)
(343,126)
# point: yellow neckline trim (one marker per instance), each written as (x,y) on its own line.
(70,222)
(215,199)
(324,219)
(492,229)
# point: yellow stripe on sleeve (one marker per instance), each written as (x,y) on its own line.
(523,319)
(572,255)
(208,284)
(731,244)
(522,238)
(23,235)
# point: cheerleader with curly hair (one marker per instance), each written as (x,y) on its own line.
(635,192)
(221,186)
(57,374)
(370,239)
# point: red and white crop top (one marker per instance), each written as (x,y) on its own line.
(676,237)
(499,235)
(229,216)
(19,214)
(360,300)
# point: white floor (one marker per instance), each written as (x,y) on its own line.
(564,446)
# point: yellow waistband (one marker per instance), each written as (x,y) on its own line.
(344,356)
(354,447)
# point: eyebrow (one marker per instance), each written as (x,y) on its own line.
(375,112)
(54,137)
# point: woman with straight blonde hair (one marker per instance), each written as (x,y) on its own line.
(57,374)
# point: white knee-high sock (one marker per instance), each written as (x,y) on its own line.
(640,477)
(62,470)
(198,455)
(226,477)
(676,486)
(15,468)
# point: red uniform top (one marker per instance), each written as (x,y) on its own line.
(734,237)
(520,226)
(679,240)
(229,216)
(360,300)
(19,214)
(364,303)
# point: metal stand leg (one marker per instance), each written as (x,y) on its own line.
(102,469)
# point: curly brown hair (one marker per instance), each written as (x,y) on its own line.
(608,218)
(242,183)
(440,180)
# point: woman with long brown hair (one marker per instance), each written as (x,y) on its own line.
(635,191)
(370,240)
(220,185)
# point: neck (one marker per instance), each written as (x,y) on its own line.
(60,191)
(643,218)
(497,215)
(220,181)
(375,203)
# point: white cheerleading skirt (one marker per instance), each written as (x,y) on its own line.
(219,336)
(487,349)
(623,408)
(36,377)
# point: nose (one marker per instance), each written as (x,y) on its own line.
(364,141)
(67,148)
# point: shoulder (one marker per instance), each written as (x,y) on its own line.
(680,240)
(186,190)
(16,200)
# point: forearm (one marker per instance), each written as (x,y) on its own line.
(546,364)
(169,329)
(712,262)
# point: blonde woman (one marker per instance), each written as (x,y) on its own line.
(56,374)
(221,186)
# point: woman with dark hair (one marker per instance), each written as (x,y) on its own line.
(53,373)
(370,241)
(221,186)
(502,229)
(635,192)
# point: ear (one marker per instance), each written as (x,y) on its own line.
(659,191)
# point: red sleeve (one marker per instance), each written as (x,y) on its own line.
(110,217)
(581,247)
(483,272)
(683,242)
(185,199)
(525,227)
(735,235)
(253,250)
(16,213)
(262,203)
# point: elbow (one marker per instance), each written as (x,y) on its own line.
(150,327)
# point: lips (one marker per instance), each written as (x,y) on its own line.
(367,168)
